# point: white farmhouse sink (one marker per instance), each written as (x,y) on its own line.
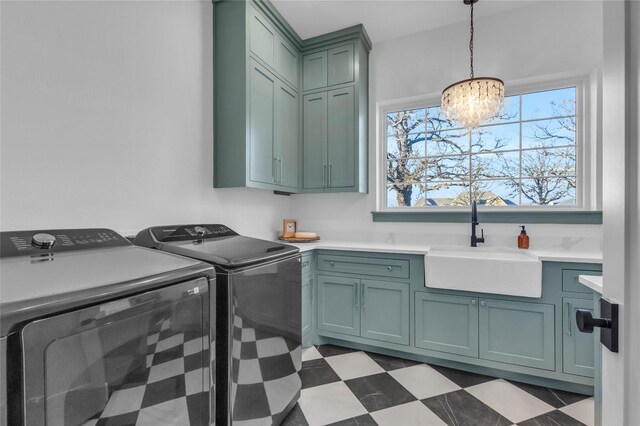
(512,273)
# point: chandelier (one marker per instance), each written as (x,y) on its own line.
(474,100)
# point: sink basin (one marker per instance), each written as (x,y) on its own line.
(512,273)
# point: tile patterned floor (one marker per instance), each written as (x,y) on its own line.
(342,386)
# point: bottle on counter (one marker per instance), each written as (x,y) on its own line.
(523,239)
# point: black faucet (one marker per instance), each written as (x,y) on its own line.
(474,221)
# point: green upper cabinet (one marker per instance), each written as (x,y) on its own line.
(260,67)
(257,119)
(341,148)
(262,37)
(329,140)
(314,70)
(340,64)
(334,121)
(286,141)
(328,67)
(314,110)
(261,114)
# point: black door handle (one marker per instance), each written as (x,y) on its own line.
(608,323)
(586,322)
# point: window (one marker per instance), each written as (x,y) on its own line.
(525,157)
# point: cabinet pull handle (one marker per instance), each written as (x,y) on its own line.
(329,175)
(569,318)
(311,291)
(324,174)
(273,169)
(474,302)
(355,299)
(280,161)
(389,268)
(362,296)
(332,263)
(483,303)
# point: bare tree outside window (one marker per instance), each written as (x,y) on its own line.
(524,156)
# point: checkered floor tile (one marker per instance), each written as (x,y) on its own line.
(346,387)
(165,387)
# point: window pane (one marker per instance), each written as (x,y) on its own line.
(549,191)
(448,142)
(448,168)
(406,145)
(437,121)
(448,194)
(405,196)
(496,138)
(549,133)
(510,112)
(549,162)
(404,122)
(551,103)
(496,192)
(495,165)
(405,170)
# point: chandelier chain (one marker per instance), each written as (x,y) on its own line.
(471,41)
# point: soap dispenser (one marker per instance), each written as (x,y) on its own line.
(523,239)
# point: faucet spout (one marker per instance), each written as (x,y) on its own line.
(474,222)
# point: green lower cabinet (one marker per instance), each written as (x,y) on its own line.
(447,323)
(339,305)
(517,333)
(577,348)
(385,311)
(377,310)
(307,301)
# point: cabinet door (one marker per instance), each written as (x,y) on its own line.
(577,348)
(314,70)
(340,64)
(447,323)
(314,123)
(261,119)
(286,137)
(287,61)
(307,300)
(341,149)
(338,305)
(262,37)
(385,311)
(517,333)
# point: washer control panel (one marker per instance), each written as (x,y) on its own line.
(166,234)
(24,243)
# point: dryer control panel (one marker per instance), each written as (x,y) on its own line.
(49,241)
(167,234)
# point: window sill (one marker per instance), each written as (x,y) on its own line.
(525,217)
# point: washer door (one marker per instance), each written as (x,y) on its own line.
(140,358)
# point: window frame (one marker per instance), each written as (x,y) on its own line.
(583,143)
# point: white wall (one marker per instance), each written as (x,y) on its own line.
(633,283)
(107,119)
(547,39)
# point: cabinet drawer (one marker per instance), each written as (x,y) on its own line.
(390,268)
(570,280)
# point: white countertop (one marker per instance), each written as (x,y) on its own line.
(549,255)
(591,281)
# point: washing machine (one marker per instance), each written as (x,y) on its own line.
(258,290)
(95,330)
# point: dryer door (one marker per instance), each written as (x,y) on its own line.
(141,358)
